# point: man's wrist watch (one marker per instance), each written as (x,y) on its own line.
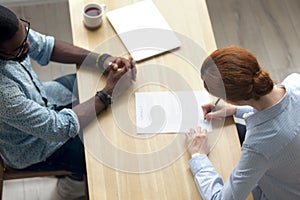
(105,98)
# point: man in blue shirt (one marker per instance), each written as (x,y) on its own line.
(40,122)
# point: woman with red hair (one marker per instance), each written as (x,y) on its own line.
(269,165)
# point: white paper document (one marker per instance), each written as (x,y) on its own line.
(170,112)
(143,30)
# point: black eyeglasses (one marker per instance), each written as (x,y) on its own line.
(20,48)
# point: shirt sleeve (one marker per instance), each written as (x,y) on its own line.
(244,111)
(241,182)
(207,180)
(28,116)
(41,47)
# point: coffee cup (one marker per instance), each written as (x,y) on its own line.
(92,15)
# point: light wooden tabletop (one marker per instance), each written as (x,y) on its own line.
(122,164)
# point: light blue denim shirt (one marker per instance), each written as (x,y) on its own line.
(270,156)
(31,131)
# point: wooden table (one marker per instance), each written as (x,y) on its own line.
(122,164)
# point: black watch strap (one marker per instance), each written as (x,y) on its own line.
(105,98)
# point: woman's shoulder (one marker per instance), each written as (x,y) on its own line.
(292,81)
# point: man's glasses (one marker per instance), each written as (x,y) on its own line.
(20,48)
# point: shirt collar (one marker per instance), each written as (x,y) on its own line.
(269,113)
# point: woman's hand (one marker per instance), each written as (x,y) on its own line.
(219,112)
(197,141)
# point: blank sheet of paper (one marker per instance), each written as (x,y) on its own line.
(170,112)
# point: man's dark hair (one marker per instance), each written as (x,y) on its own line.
(9,24)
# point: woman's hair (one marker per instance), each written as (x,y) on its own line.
(234,74)
(9,24)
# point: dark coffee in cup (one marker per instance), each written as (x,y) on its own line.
(93,11)
(92,15)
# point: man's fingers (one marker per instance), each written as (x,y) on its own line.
(124,63)
(114,66)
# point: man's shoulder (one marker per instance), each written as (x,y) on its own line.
(7,69)
(6,83)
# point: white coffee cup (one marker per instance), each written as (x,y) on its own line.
(92,15)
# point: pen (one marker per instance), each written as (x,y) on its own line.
(214,106)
